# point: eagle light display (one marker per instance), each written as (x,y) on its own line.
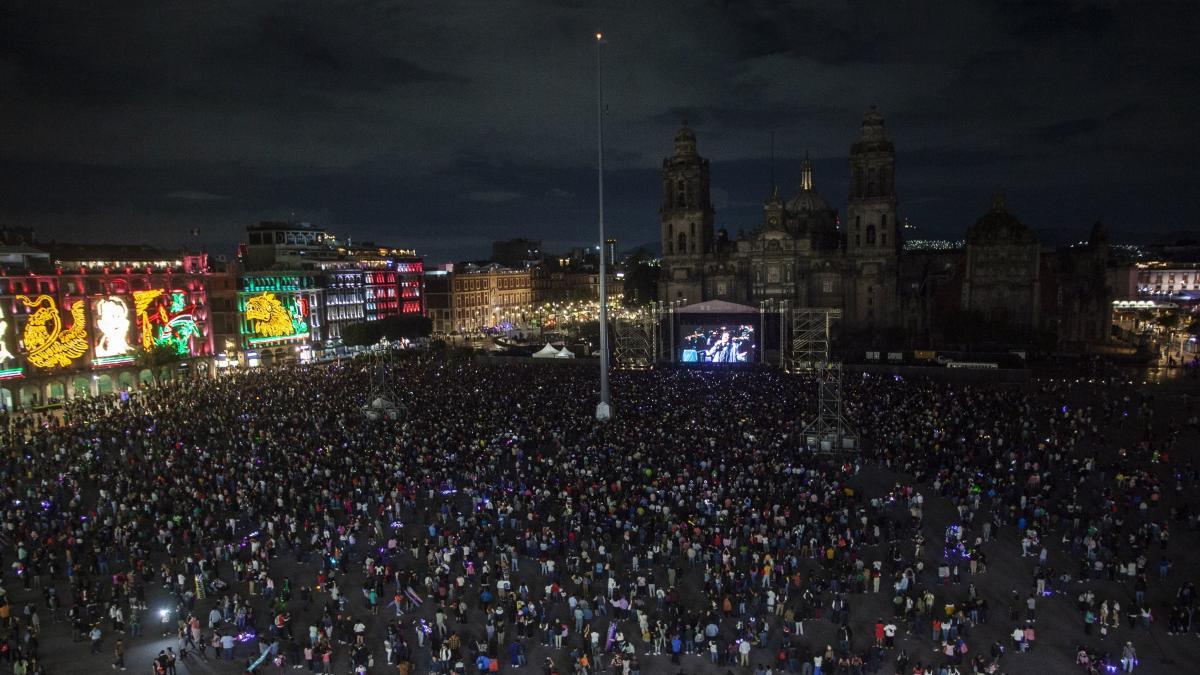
(48,344)
(166,319)
(269,318)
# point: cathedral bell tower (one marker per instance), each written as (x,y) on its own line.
(872,231)
(687,213)
(871,227)
(686,219)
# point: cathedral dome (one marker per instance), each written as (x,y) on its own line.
(807,202)
(999,227)
(808,199)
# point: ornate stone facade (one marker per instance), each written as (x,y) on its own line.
(798,252)
(1001,282)
(801,253)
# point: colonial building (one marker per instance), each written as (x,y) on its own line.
(797,253)
(467,298)
(78,320)
(1003,261)
(801,253)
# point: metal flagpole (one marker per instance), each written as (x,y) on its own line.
(604,408)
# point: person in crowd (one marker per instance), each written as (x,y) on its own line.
(503,525)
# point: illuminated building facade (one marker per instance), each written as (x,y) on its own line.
(281,316)
(393,281)
(484,297)
(81,319)
(1175,280)
(343,301)
(360,282)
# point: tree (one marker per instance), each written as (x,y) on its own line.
(408,326)
(156,357)
(1168,321)
(361,334)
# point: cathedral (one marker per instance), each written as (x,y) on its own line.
(1003,283)
(799,253)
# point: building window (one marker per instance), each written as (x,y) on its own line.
(827,286)
(870,235)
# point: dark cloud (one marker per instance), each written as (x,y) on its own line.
(1035,20)
(1063,131)
(492,196)
(445,124)
(196,196)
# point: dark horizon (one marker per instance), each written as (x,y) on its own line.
(445,127)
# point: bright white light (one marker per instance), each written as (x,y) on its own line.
(112,324)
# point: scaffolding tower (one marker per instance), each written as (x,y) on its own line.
(829,432)
(809,346)
(383,400)
(636,344)
(807,350)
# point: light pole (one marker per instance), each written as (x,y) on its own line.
(604,408)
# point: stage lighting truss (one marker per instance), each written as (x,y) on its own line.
(809,347)
(828,432)
(636,342)
(382,400)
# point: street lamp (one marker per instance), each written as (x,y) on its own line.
(604,408)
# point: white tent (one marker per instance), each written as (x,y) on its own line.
(565,354)
(546,352)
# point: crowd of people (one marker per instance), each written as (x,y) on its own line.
(261,519)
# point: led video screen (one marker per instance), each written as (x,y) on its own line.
(717,344)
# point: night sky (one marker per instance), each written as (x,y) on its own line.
(444,125)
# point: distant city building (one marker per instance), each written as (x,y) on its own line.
(285,245)
(555,285)
(517,253)
(1164,279)
(438,301)
(468,298)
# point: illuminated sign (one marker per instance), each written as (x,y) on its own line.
(47,344)
(166,319)
(9,368)
(270,319)
(281,283)
(111,315)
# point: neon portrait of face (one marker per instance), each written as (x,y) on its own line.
(112,322)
